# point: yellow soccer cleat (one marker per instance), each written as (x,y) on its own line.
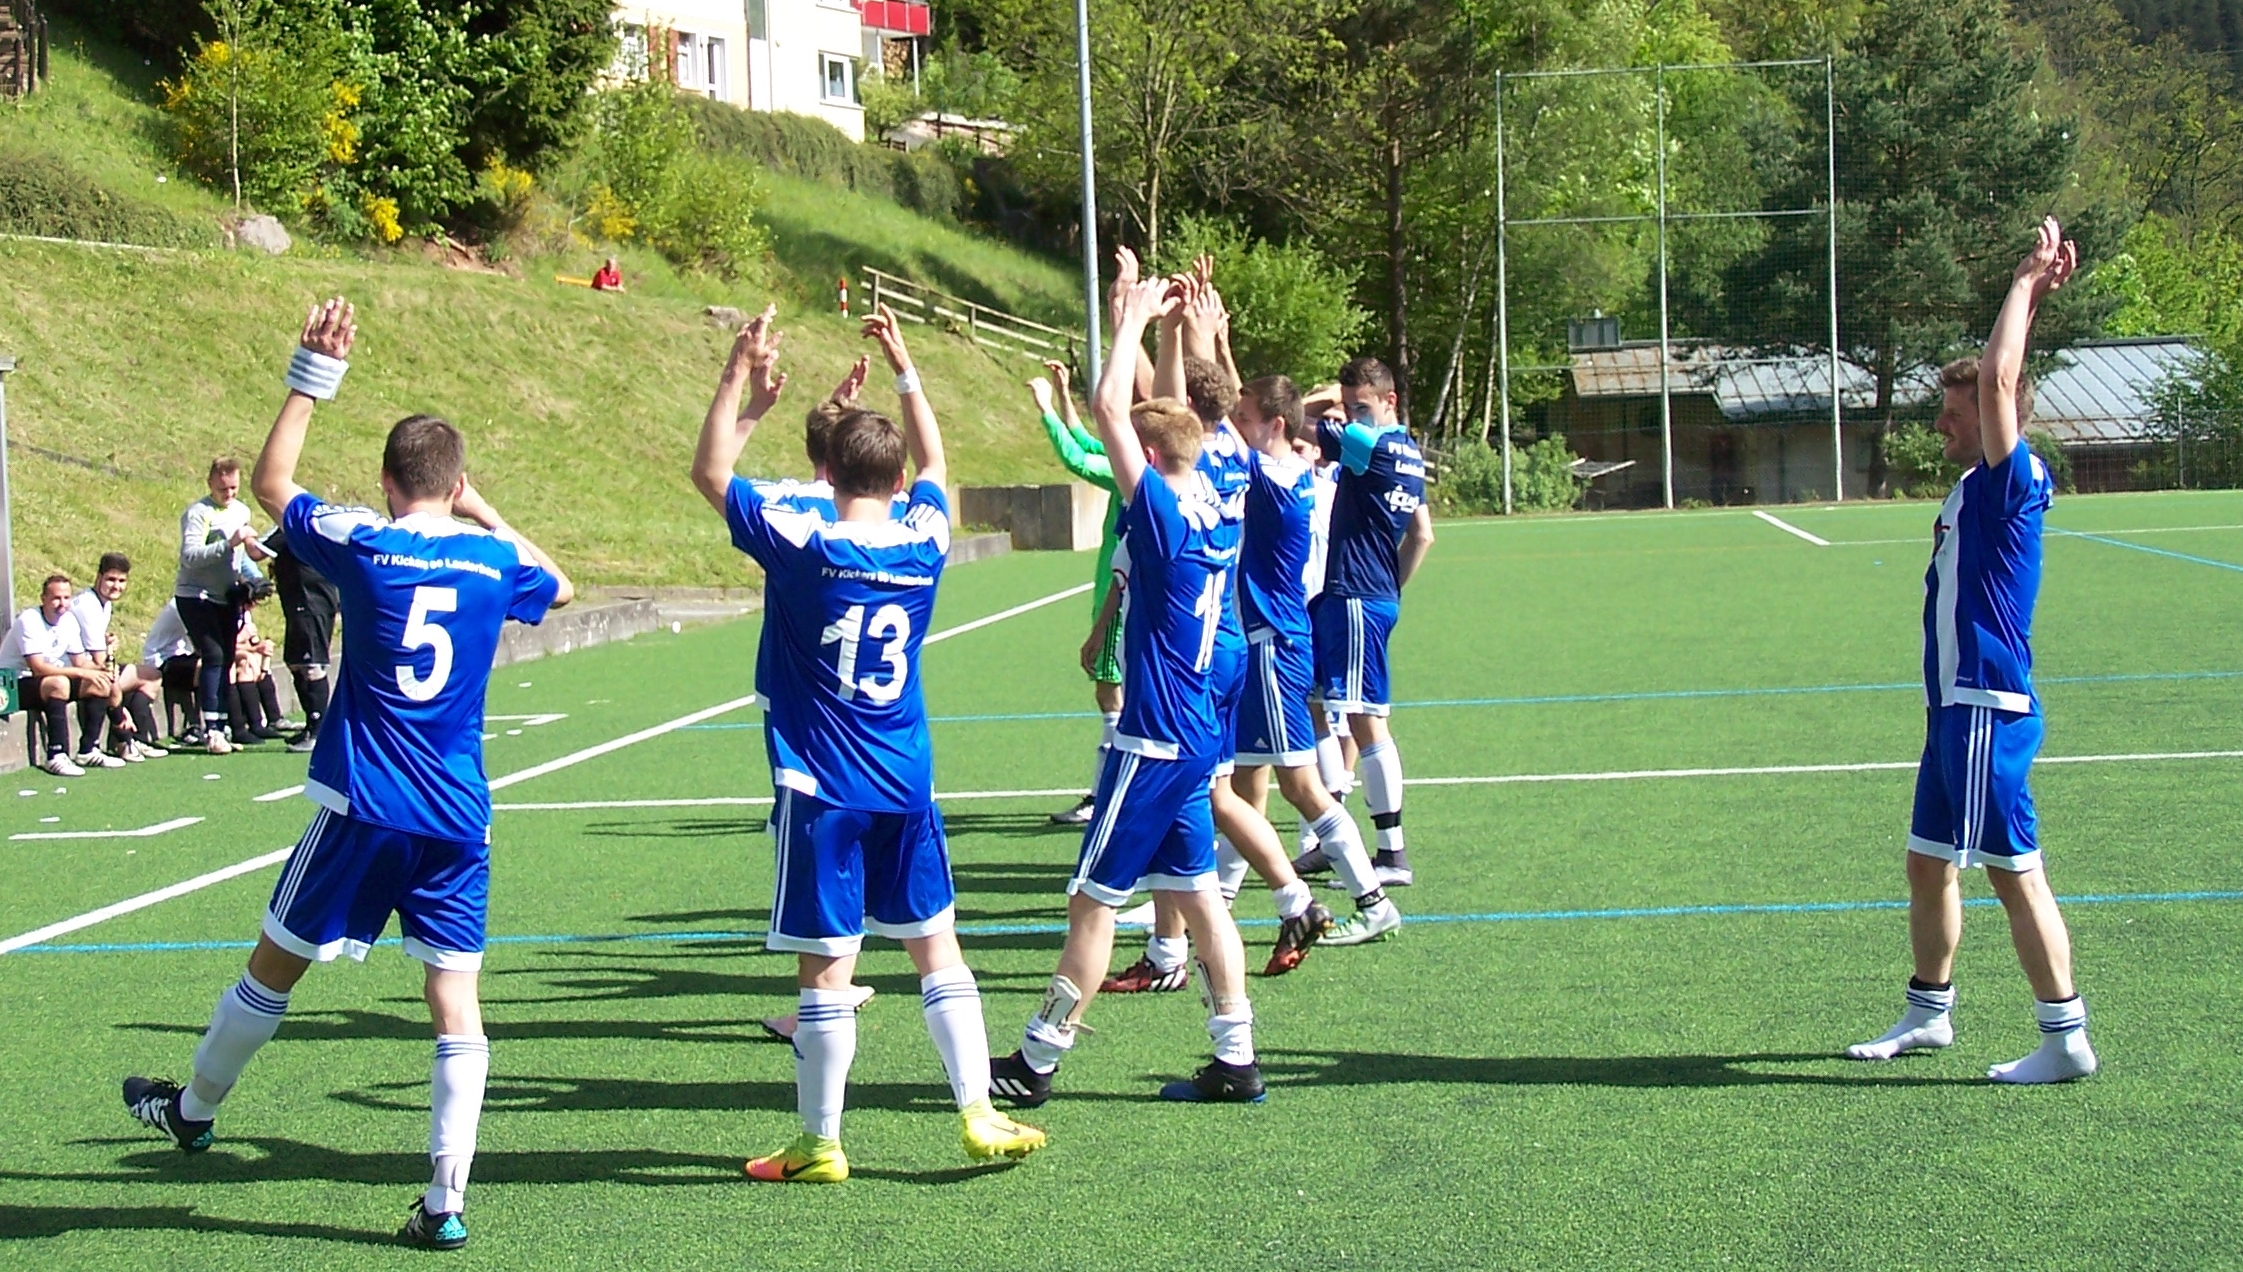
(988,1135)
(811,1159)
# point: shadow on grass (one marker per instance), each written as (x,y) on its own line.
(273,1160)
(1013,826)
(25,1223)
(682,828)
(608,1095)
(1038,878)
(341,1026)
(1377,1068)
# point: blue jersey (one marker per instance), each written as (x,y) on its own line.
(1381,487)
(1984,578)
(850,603)
(1280,537)
(1178,566)
(423,599)
(1227,463)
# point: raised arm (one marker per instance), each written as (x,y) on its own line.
(1067,442)
(921,436)
(472,505)
(2047,267)
(751,370)
(1168,366)
(321,357)
(1135,304)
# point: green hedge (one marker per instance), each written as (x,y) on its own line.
(802,146)
(40,194)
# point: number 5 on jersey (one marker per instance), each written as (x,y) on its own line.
(888,620)
(420,633)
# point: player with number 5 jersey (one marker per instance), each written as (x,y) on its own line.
(404,823)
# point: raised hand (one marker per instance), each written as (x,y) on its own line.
(1125,276)
(1145,301)
(2051,262)
(853,383)
(1040,389)
(755,355)
(1058,372)
(330,328)
(883,327)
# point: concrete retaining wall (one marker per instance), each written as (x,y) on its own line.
(1065,518)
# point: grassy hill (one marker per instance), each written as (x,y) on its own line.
(580,408)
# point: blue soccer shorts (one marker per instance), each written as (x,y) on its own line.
(1351,636)
(843,873)
(1274,724)
(1227,672)
(346,877)
(1152,825)
(1973,806)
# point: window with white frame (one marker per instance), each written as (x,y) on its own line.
(630,53)
(839,74)
(701,65)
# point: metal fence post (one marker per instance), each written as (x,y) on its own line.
(7,518)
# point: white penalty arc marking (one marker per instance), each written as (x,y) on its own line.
(1788,528)
(1500,779)
(145,832)
(240,868)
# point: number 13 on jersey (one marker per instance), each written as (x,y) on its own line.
(890,621)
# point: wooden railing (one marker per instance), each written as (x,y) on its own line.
(1010,333)
(23,47)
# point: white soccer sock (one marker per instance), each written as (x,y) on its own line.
(1343,847)
(952,1005)
(825,1044)
(1234,1035)
(1926,1024)
(1292,899)
(2064,1053)
(1382,792)
(244,1020)
(1331,764)
(1167,953)
(455,1107)
(1230,868)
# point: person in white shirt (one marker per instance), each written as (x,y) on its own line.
(216,543)
(130,708)
(42,646)
(167,657)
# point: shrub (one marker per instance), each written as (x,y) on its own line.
(275,120)
(1290,306)
(802,146)
(1542,477)
(1471,480)
(1542,480)
(654,182)
(706,219)
(1915,456)
(40,194)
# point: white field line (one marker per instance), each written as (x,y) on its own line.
(277,856)
(1501,779)
(145,832)
(274,797)
(1788,528)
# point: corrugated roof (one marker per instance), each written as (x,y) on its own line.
(2104,392)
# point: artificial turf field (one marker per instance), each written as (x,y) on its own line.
(1614,1051)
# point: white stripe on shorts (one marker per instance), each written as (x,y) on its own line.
(1102,825)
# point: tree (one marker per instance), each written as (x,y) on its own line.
(1944,163)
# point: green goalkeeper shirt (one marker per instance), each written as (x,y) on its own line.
(1085,457)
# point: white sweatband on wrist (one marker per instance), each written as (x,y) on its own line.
(908,382)
(314,374)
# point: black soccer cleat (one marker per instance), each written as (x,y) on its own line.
(1011,1080)
(1312,862)
(1296,935)
(433,1232)
(1219,1083)
(154,1103)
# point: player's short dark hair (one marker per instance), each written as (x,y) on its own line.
(817,427)
(1964,371)
(113,563)
(424,457)
(1277,399)
(1167,427)
(50,581)
(1209,391)
(865,454)
(222,466)
(1367,373)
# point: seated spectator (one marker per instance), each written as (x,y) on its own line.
(608,277)
(256,699)
(168,658)
(42,646)
(309,604)
(130,709)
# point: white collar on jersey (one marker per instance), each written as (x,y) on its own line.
(435,527)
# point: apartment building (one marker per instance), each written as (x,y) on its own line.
(803,56)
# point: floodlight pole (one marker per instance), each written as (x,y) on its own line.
(1830,163)
(1502,295)
(1666,397)
(1090,195)
(7,519)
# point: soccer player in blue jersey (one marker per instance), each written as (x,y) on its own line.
(1381,531)
(860,841)
(1983,720)
(1152,823)
(1274,727)
(404,821)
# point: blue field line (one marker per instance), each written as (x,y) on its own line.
(1054,929)
(1646,695)
(2138,547)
